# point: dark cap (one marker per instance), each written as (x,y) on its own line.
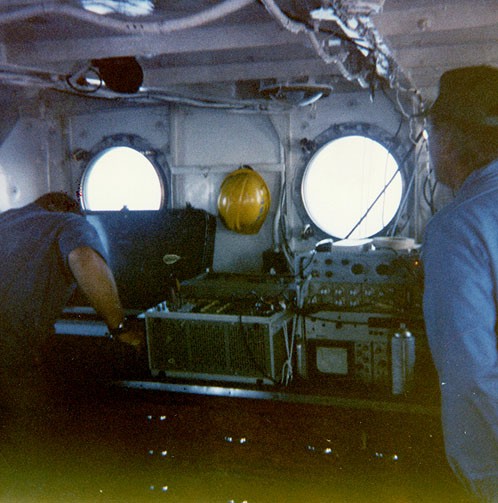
(468,95)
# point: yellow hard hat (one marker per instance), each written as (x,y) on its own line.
(244,201)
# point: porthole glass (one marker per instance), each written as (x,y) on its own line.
(124,7)
(120,178)
(352,188)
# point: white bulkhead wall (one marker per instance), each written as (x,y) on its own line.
(31,157)
(200,145)
(206,146)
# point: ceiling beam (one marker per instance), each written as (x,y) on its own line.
(188,41)
(448,56)
(442,16)
(195,74)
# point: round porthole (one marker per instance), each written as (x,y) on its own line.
(352,187)
(121,177)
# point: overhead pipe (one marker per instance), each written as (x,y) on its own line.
(28,76)
(31,77)
(151,27)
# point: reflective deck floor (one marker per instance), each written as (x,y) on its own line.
(190,449)
(118,444)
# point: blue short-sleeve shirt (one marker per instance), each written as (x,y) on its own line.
(35,278)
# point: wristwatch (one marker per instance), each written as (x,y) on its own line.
(120,329)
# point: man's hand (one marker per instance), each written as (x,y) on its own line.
(134,334)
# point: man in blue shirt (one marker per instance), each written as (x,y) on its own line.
(47,248)
(460,256)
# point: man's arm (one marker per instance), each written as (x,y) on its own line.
(97,282)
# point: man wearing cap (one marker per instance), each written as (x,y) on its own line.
(460,256)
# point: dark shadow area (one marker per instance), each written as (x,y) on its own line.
(102,442)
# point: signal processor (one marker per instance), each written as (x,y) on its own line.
(359,311)
(214,335)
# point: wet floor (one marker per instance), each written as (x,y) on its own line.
(115,444)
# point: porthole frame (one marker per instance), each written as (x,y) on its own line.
(154,156)
(334,132)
